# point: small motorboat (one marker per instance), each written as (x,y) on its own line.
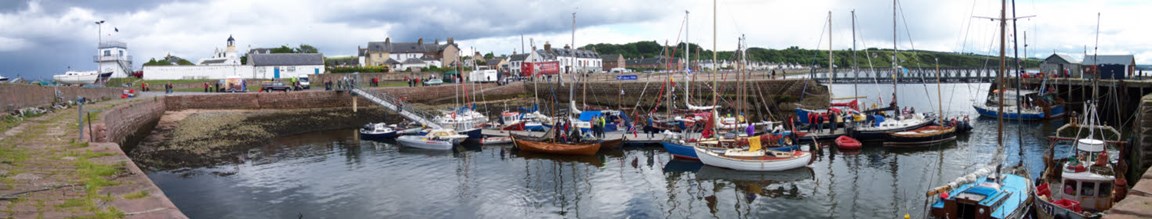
(847,143)
(378,131)
(438,139)
(495,140)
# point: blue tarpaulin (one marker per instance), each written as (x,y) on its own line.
(587,115)
(876,119)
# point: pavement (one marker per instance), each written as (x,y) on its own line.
(46,172)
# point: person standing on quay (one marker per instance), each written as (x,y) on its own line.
(205,87)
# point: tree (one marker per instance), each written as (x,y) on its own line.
(305,48)
(489,55)
(282,49)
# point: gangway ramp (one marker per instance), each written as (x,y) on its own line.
(393,104)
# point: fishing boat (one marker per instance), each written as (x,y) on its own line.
(847,143)
(3,79)
(755,158)
(1036,105)
(1085,183)
(983,194)
(559,148)
(438,139)
(923,136)
(81,77)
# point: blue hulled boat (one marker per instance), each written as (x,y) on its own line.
(999,195)
(1037,106)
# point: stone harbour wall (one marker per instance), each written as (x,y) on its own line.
(18,96)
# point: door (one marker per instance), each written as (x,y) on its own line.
(276,72)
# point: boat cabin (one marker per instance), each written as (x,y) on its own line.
(1089,178)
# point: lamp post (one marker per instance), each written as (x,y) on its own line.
(99,35)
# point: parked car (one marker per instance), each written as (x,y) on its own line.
(434,81)
(304,82)
(275,86)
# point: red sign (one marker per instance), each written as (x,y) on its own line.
(528,69)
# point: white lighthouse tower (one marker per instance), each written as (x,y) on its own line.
(113,57)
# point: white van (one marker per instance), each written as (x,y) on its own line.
(619,70)
(483,76)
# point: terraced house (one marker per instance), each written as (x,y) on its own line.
(399,56)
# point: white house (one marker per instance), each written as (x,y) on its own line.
(571,60)
(226,63)
(285,65)
(114,58)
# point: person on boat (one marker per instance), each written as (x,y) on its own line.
(820,123)
(751,129)
(835,122)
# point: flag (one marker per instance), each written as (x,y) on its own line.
(116,29)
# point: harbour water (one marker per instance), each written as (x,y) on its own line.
(333,174)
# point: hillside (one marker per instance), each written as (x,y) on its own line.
(880,58)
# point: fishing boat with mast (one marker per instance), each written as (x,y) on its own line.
(927,135)
(1084,184)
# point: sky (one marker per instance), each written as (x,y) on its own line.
(40,38)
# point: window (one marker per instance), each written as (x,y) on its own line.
(1070,187)
(1105,189)
(1088,189)
(107,52)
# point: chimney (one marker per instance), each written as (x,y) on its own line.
(450,40)
(420,41)
(547,46)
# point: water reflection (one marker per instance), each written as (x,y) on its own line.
(336,175)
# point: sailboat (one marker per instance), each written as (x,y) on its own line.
(884,126)
(927,135)
(985,193)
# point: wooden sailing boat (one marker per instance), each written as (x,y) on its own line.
(927,135)
(885,125)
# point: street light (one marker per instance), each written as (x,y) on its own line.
(99,29)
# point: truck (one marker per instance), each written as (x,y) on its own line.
(529,69)
(483,76)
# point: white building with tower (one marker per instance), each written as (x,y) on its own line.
(113,57)
(226,63)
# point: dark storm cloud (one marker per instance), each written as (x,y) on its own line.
(99,6)
(473,20)
(51,57)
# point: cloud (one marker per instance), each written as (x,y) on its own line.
(41,38)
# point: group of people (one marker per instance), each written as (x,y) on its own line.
(565,133)
(598,124)
(413,82)
(830,121)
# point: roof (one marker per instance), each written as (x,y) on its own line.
(611,57)
(113,44)
(405,47)
(555,52)
(1061,58)
(494,61)
(517,57)
(391,61)
(1110,59)
(282,59)
(413,61)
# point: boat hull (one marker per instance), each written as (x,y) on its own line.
(473,134)
(378,135)
(799,159)
(916,140)
(556,148)
(1054,112)
(495,140)
(679,151)
(612,144)
(425,143)
(875,134)
(1048,210)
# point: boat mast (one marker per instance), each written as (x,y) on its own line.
(1000,76)
(715,69)
(1019,79)
(895,71)
(831,72)
(855,69)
